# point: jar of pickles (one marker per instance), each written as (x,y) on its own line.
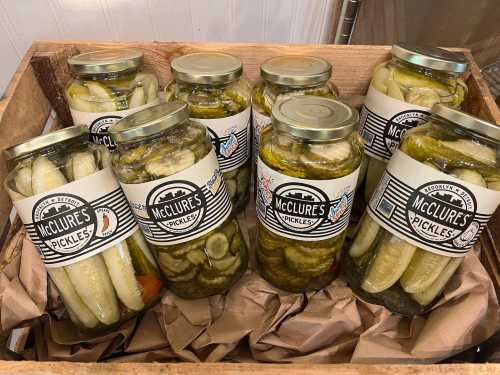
(400,96)
(78,218)
(306,176)
(168,170)
(107,86)
(218,97)
(283,77)
(436,196)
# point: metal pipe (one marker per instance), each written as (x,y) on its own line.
(347,20)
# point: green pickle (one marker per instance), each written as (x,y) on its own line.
(210,263)
(285,77)
(388,270)
(212,87)
(105,288)
(288,262)
(419,76)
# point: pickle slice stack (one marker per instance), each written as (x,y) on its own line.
(205,266)
(113,94)
(99,290)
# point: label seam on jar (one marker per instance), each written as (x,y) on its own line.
(384,120)
(430,209)
(303,209)
(196,200)
(259,122)
(99,122)
(93,212)
(230,137)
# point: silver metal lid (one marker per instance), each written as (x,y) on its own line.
(149,121)
(296,70)
(467,121)
(106,61)
(207,68)
(45,140)
(314,118)
(431,57)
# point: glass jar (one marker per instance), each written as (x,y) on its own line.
(306,176)
(400,96)
(108,85)
(283,77)
(169,172)
(437,194)
(77,216)
(212,85)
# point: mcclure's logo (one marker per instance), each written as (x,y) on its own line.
(300,207)
(443,211)
(176,206)
(98,130)
(399,124)
(65,223)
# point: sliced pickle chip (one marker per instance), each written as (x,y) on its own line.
(185,276)
(334,152)
(137,98)
(280,276)
(409,79)
(176,266)
(428,295)
(380,78)
(391,259)
(269,260)
(167,166)
(196,257)
(394,91)
(231,188)
(303,262)
(217,245)
(423,270)
(233,268)
(422,96)
(225,263)
(212,281)
(230,229)
(235,246)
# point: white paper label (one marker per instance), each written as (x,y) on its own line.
(183,206)
(231,139)
(306,210)
(259,122)
(77,220)
(430,209)
(99,122)
(384,120)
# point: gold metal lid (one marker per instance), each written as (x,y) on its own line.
(45,140)
(106,61)
(467,121)
(149,121)
(207,68)
(296,70)
(431,57)
(314,118)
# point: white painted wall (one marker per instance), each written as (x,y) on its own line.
(285,21)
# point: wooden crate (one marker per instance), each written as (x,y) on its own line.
(37,88)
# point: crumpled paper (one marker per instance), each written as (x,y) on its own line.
(253,322)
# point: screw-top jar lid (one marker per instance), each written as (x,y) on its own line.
(45,140)
(467,121)
(296,70)
(431,57)
(106,61)
(314,118)
(207,68)
(149,121)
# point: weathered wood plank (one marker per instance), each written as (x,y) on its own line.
(67,368)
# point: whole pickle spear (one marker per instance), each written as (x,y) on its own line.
(121,270)
(428,295)
(89,279)
(424,268)
(365,237)
(71,298)
(117,258)
(392,256)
